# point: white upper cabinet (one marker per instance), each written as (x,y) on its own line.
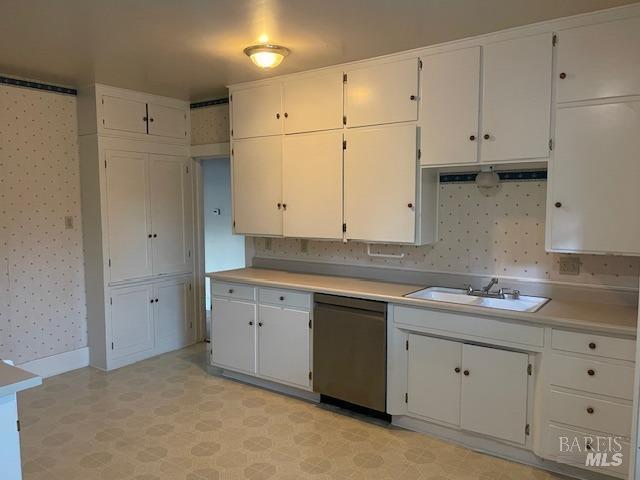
(167,121)
(124,115)
(382,93)
(593,193)
(170,214)
(313,103)
(494,392)
(380,168)
(257,111)
(312,185)
(128,215)
(257,186)
(449,107)
(599,61)
(516,99)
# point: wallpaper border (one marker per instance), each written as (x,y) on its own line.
(505,176)
(16,82)
(209,103)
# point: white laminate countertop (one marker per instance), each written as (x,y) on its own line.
(14,379)
(596,317)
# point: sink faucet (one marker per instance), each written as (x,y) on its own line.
(492,282)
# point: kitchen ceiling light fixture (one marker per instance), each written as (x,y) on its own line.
(266,56)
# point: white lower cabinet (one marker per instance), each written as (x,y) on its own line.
(269,338)
(479,389)
(149,318)
(279,327)
(233,334)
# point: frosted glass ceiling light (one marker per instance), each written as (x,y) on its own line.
(266,56)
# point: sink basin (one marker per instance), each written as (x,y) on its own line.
(459,296)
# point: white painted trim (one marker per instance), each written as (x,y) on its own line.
(211,150)
(57,364)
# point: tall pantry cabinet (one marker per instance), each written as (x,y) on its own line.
(137,206)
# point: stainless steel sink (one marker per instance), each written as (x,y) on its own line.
(460,296)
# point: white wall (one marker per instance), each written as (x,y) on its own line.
(222,249)
(42,310)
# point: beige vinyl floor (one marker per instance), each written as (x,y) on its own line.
(168,418)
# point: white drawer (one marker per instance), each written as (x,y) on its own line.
(468,325)
(592,376)
(555,435)
(597,345)
(233,290)
(590,413)
(290,298)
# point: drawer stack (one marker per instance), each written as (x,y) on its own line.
(589,398)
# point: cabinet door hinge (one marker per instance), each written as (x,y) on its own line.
(344,77)
(232,135)
(419,64)
(344,119)
(406,398)
(18,425)
(529,369)
(554,41)
(103,121)
(231,98)
(551,144)
(419,154)
(110,300)
(109,262)
(189,287)
(310,375)
(406,345)
(103,101)
(111,345)
(232,148)
(189,253)
(190,324)
(344,144)
(309,323)
(527,429)
(344,227)
(105,164)
(187,168)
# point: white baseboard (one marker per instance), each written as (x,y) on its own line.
(57,364)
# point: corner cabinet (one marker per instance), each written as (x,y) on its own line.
(137,200)
(249,327)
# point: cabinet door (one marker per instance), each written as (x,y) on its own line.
(594,196)
(172,315)
(432,380)
(170,214)
(313,103)
(278,327)
(257,111)
(380,167)
(516,99)
(257,186)
(599,61)
(449,107)
(124,115)
(9,438)
(385,93)
(233,334)
(128,212)
(494,392)
(131,320)
(312,185)
(167,121)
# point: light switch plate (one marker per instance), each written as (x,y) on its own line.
(68,222)
(569,265)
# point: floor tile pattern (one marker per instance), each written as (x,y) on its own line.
(169,418)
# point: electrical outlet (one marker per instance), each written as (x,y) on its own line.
(569,265)
(304,246)
(68,222)
(267,244)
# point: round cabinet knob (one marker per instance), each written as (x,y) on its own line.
(151,301)
(155,235)
(466,373)
(590,410)
(558,204)
(592,346)
(259,324)
(410,205)
(486,136)
(279,206)
(412,97)
(250,323)
(457,369)
(591,372)
(150,235)
(284,206)
(144,119)
(231,290)
(563,76)
(286,115)
(151,120)
(156,300)
(278,116)
(472,138)
(282,299)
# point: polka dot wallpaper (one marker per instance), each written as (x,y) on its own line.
(500,235)
(43,308)
(210,124)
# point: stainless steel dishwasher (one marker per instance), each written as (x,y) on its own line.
(350,350)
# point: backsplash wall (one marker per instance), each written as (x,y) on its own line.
(501,235)
(43,308)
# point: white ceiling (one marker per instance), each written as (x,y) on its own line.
(191,49)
